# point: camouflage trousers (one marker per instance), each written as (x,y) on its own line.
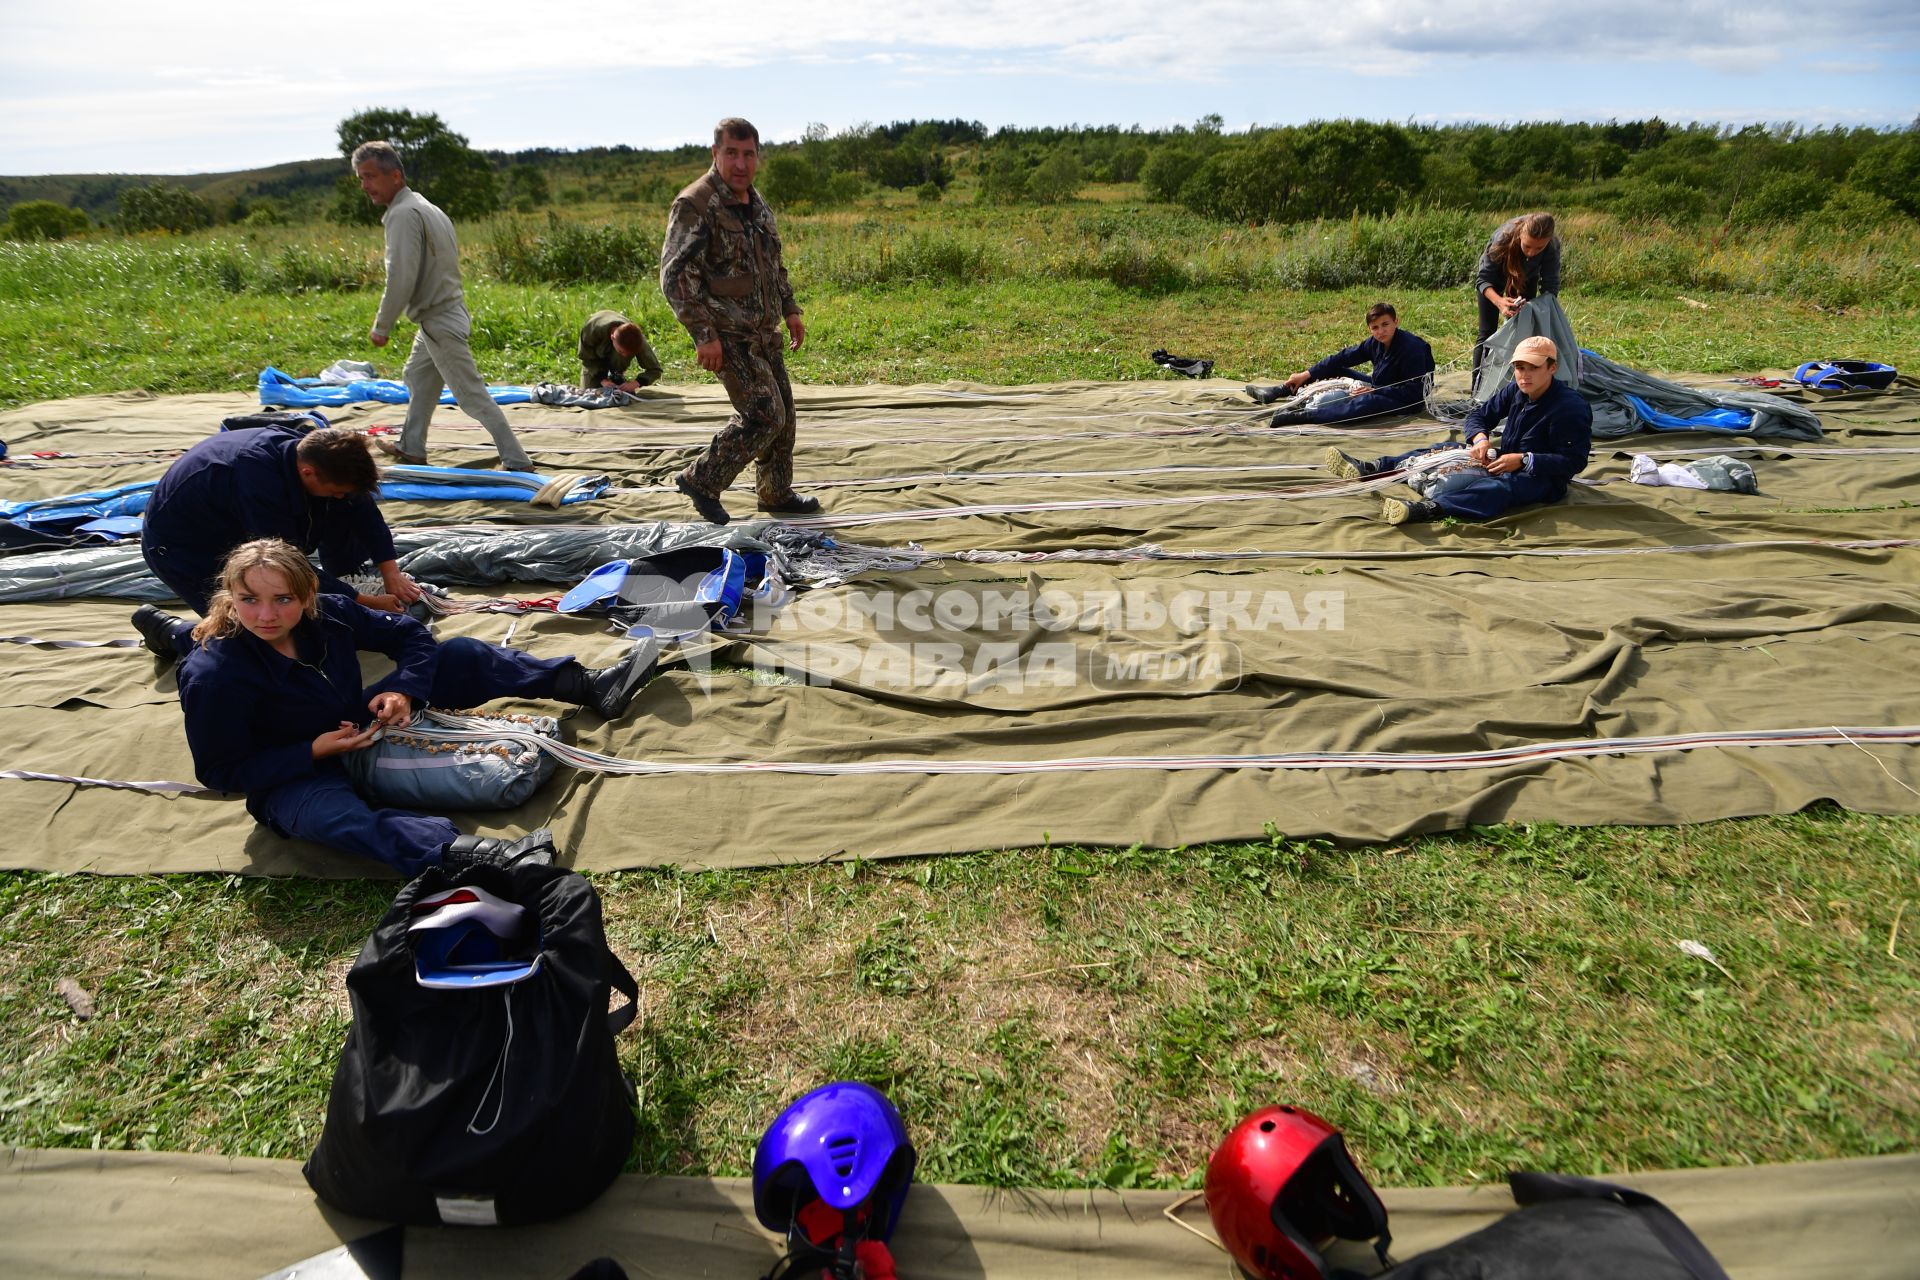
(762,426)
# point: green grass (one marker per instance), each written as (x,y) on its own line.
(1058,1016)
(899,292)
(1071,1017)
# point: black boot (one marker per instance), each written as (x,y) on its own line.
(708,506)
(1291,418)
(1267,395)
(1346,466)
(607,690)
(535,848)
(792,505)
(158,630)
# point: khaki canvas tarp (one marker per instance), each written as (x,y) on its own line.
(1310,627)
(104,1214)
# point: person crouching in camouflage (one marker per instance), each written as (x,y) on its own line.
(721,272)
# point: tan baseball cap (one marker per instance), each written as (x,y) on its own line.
(1535,351)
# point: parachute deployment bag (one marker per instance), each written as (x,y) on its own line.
(501,1102)
(409,771)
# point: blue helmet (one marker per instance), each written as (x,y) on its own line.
(843,1143)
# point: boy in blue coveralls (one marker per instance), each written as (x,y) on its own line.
(1546,442)
(272,697)
(1402,361)
(313,489)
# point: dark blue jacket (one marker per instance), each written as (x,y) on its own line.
(252,714)
(1541,272)
(239,485)
(1398,367)
(1557,429)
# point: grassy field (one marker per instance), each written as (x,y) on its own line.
(904,293)
(1068,1017)
(1056,1016)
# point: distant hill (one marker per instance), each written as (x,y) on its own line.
(311,181)
(99,193)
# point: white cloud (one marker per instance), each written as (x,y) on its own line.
(115,72)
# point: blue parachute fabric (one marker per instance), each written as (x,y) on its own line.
(1736,420)
(473,484)
(74,508)
(283,390)
(112,528)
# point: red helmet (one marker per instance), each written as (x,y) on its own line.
(1281,1187)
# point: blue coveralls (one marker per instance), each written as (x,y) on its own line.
(252,715)
(1400,369)
(240,485)
(1555,433)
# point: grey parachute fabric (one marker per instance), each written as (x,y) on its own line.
(560,394)
(1728,474)
(116,573)
(1540,318)
(1612,388)
(488,555)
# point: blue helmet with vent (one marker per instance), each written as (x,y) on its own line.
(843,1144)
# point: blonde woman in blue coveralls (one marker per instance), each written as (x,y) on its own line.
(273,699)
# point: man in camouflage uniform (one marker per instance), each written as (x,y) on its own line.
(721,272)
(609,342)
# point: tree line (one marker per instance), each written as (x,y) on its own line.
(1640,170)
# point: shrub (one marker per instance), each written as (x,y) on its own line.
(844,187)
(1785,197)
(928,193)
(1167,171)
(1140,264)
(791,180)
(568,252)
(1891,171)
(1058,177)
(1851,209)
(1674,203)
(299,269)
(43,220)
(161,207)
(1003,177)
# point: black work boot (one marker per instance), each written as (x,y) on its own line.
(158,630)
(708,506)
(792,505)
(1267,395)
(1346,466)
(607,690)
(1291,418)
(535,847)
(1400,511)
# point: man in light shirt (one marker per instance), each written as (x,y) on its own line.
(423,283)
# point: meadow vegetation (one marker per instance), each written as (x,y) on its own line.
(1068,1016)
(1466,1003)
(898,289)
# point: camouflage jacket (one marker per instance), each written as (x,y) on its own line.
(720,268)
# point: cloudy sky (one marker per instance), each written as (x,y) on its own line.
(115,86)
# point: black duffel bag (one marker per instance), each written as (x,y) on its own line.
(500,1101)
(1571,1228)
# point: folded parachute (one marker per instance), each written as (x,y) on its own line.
(285,391)
(1625,400)
(334,388)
